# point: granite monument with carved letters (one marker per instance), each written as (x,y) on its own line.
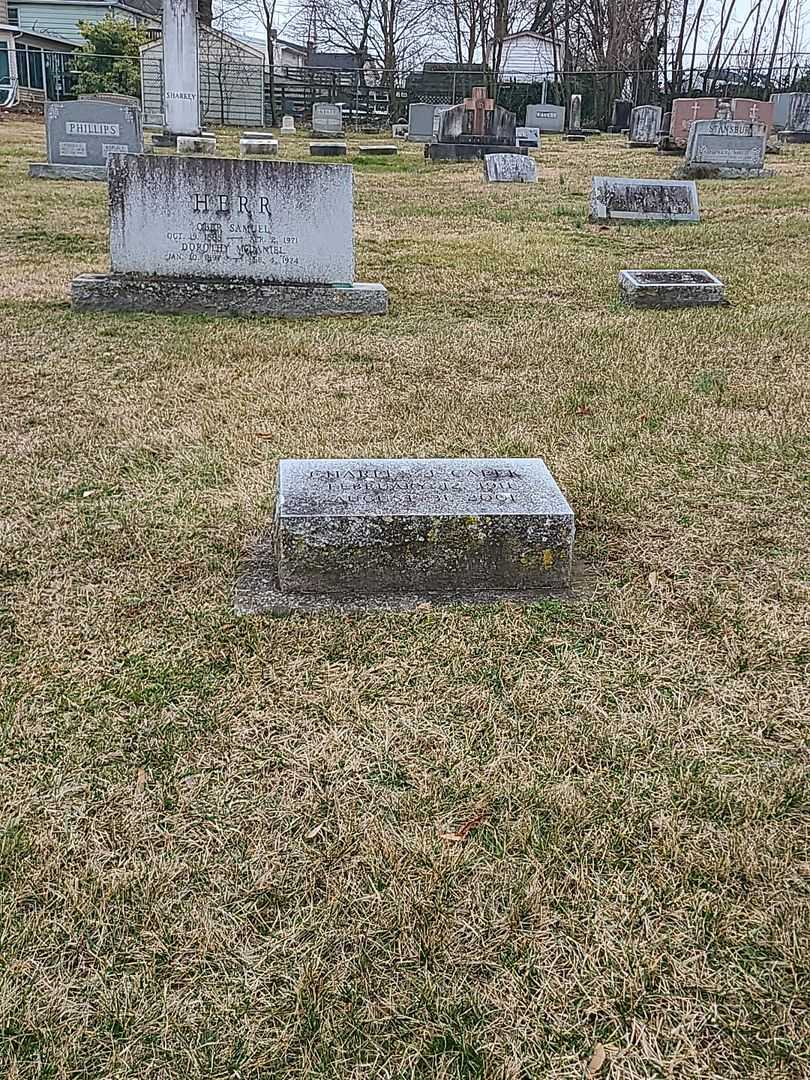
(229,237)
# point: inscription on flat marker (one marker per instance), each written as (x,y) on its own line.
(377,529)
(622,199)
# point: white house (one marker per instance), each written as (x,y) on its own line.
(528,57)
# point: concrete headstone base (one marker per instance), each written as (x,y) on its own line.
(468,151)
(45,171)
(795,136)
(187,296)
(379,150)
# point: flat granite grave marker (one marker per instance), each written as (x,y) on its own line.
(392,533)
(725,149)
(258,144)
(671,288)
(328,149)
(621,199)
(550,118)
(327,119)
(510,169)
(645,123)
(229,236)
(474,129)
(81,135)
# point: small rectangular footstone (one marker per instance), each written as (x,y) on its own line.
(390,533)
(327,149)
(380,150)
(671,288)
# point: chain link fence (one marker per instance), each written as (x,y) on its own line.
(242,91)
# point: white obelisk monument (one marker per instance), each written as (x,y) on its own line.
(181,68)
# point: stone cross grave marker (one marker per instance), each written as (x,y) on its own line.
(624,200)
(725,148)
(387,533)
(474,129)
(480,106)
(229,236)
(645,123)
(82,134)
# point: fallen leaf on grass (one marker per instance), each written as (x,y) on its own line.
(597,1061)
(140,781)
(584,410)
(264,434)
(464,830)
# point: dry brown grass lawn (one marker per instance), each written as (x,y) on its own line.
(221,849)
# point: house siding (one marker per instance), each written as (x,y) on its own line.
(62,20)
(524,56)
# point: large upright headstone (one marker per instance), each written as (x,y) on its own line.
(81,135)
(327,118)
(420,122)
(620,115)
(181,68)
(685,111)
(725,148)
(798,125)
(620,199)
(575,114)
(474,129)
(645,123)
(781,110)
(549,118)
(755,112)
(393,533)
(229,236)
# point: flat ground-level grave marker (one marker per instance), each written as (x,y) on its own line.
(226,236)
(621,199)
(671,288)
(356,534)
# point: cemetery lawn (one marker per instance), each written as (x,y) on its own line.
(496,842)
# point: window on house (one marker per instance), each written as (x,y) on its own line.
(29,67)
(13,16)
(5,68)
